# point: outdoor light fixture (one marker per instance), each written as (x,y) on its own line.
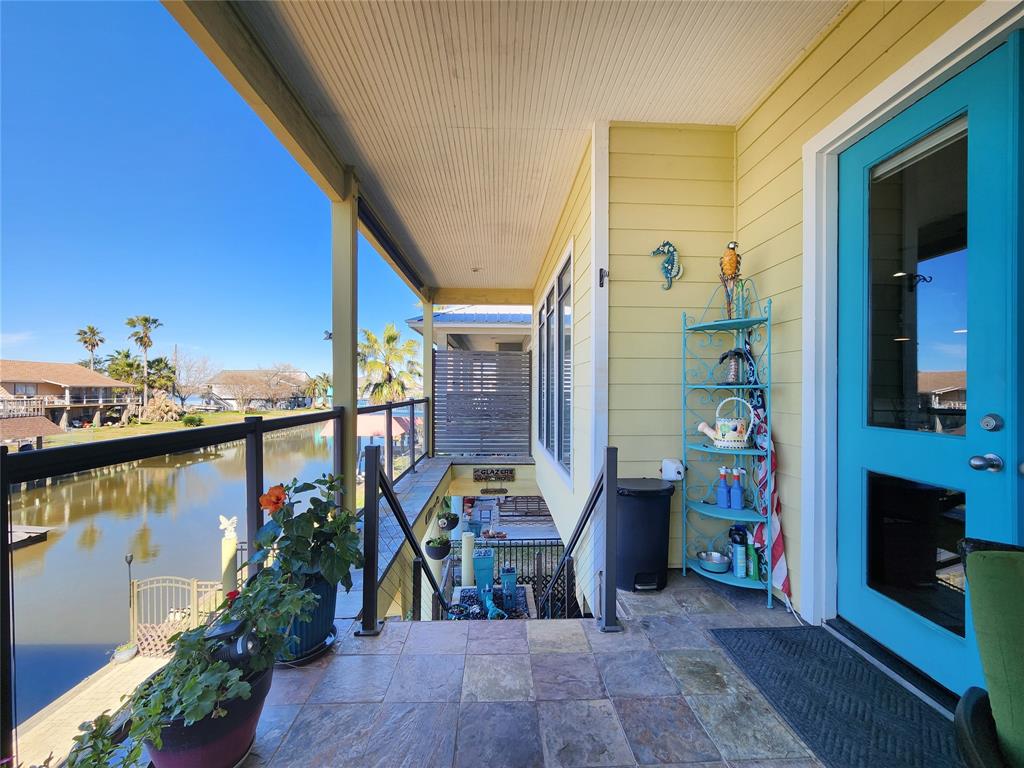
(913,279)
(960,330)
(328,335)
(901,338)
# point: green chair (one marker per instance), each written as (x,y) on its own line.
(990,724)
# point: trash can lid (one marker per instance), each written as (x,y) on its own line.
(645,486)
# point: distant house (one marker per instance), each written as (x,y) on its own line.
(943,397)
(67,394)
(260,388)
(479,328)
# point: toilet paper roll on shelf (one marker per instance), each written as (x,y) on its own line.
(671,469)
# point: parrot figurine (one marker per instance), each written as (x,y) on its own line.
(729,272)
(670,268)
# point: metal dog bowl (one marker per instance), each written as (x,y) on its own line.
(715,562)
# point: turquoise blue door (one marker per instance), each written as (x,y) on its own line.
(928,363)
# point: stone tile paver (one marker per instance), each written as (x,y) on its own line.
(275,722)
(744,726)
(390,640)
(702,601)
(423,677)
(669,633)
(664,730)
(497,678)
(492,637)
(556,636)
(363,677)
(437,637)
(581,734)
(631,638)
(407,735)
(701,672)
(635,673)
(566,676)
(326,735)
(498,735)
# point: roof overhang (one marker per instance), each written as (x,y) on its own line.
(462,124)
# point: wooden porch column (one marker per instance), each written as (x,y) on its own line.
(428,370)
(344,227)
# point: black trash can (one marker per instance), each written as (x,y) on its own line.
(643,513)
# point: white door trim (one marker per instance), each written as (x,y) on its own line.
(598,295)
(967,41)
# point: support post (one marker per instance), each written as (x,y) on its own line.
(371,523)
(344,326)
(609,621)
(6,606)
(338,467)
(412,437)
(253,481)
(389,445)
(417,588)
(428,374)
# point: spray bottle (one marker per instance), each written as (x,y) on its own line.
(738,539)
(723,489)
(736,490)
(752,570)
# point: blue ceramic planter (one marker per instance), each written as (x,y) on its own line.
(309,635)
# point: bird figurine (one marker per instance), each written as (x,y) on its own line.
(729,273)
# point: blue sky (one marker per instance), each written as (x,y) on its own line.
(135,180)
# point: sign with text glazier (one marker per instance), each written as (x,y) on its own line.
(494,474)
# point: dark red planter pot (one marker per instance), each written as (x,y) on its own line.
(215,743)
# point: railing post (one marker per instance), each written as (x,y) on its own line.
(609,622)
(193,604)
(133,622)
(338,423)
(389,457)
(6,673)
(371,513)
(412,437)
(417,588)
(253,481)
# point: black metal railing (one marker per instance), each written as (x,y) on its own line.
(378,487)
(38,465)
(600,532)
(403,427)
(534,559)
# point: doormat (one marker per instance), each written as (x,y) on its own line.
(851,714)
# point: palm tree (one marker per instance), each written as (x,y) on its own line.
(142,335)
(91,337)
(389,365)
(318,387)
(124,366)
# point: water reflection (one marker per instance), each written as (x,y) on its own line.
(72,589)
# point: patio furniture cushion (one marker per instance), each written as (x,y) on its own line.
(996,580)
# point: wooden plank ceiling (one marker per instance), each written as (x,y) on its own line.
(466,121)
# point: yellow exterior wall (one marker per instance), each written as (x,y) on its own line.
(565,494)
(667,182)
(866,45)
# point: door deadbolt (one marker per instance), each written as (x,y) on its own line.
(992,422)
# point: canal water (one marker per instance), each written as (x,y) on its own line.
(71,591)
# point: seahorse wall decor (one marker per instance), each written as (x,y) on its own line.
(670,268)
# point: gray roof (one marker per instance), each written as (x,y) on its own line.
(476,318)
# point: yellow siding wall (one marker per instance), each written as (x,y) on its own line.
(565,496)
(865,46)
(666,183)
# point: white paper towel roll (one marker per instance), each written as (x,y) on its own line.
(671,469)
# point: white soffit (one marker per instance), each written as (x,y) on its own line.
(466,121)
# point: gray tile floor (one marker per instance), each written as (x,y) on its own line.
(525,694)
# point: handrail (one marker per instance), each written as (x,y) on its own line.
(605,489)
(377,482)
(26,466)
(391,406)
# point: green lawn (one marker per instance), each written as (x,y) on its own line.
(92,435)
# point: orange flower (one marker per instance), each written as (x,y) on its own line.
(274,498)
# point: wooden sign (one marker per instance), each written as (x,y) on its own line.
(494,474)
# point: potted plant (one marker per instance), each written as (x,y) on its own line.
(439,547)
(319,544)
(446,519)
(202,707)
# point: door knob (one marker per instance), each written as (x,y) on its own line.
(989,461)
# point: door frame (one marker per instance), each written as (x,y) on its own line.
(977,34)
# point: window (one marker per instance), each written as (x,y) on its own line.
(25,390)
(554,368)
